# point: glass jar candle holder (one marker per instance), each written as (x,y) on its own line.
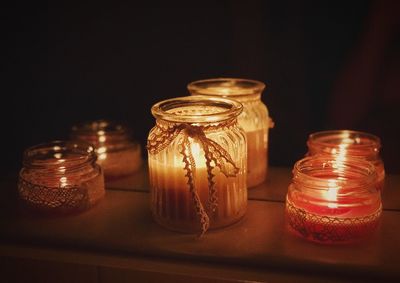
(116,153)
(331,201)
(60,177)
(254,119)
(197,164)
(344,143)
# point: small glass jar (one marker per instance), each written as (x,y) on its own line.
(60,177)
(254,119)
(345,143)
(331,201)
(197,164)
(116,153)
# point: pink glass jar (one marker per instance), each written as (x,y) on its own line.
(344,143)
(60,177)
(331,201)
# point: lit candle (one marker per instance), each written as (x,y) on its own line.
(60,177)
(197,164)
(174,201)
(332,201)
(117,154)
(254,119)
(344,143)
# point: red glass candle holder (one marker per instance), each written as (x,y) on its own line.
(344,143)
(331,201)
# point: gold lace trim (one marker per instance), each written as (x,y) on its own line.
(330,229)
(162,136)
(53,198)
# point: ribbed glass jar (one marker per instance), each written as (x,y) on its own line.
(346,143)
(331,201)
(60,177)
(254,119)
(197,164)
(117,154)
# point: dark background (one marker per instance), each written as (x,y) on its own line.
(328,65)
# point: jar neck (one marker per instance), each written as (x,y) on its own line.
(242,90)
(319,176)
(104,135)
(250,98)
(60,157)
(209,127)
(197,111)
(345,143)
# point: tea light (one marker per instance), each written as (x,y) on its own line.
(117,154)
(332,201)
(344,143)
(60,177)
(197,164)
(254,119)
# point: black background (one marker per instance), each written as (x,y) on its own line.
(328,64)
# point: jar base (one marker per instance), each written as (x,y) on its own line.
(256,182)
(328,229)
(59,200)
(193,227)
(33,209)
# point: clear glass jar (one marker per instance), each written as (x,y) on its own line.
(333,201)
(345,143)
(60,177)
(254,119)
(197,164)
(116,153)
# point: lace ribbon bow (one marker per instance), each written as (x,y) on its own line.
(214,154)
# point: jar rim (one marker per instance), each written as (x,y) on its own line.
(230,109)
(49,154)
(331,138)
(366,170)
(248,87)
(100,127)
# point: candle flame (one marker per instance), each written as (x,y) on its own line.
(197,154)
(101,153)
(195,148)
(63,182)
(224,90)
(341,152)
(331,194)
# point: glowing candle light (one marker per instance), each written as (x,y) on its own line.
(333,201)
(341,144)
(117,154)
(60,177)
(254,120)
(197,164)
(331,194)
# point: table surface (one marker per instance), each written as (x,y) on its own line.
(256,248)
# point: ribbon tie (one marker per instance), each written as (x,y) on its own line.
(215,156)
